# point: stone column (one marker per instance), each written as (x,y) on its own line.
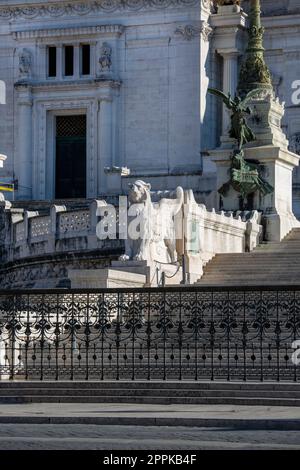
(230,81)
(105,142)
(24,142)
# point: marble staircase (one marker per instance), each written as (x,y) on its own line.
(156,392)
(273,263)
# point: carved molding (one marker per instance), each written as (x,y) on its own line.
(104,83)
(41,110)
(189,31)
(93,6)
(115,30)
(51,272)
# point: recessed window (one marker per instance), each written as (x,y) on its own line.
(69,61)
(85,59)
(51,61)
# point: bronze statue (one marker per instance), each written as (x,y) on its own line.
(239,128)
(245,176)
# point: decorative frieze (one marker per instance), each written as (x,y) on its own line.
(190,31)
(111,30)
(83,8)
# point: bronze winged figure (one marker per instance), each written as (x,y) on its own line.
(245,176)
(239,109)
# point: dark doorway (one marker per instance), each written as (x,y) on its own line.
(70,177)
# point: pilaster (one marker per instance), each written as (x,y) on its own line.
(229,42)
(24,141)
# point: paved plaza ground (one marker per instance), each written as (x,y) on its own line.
(136,427)
(97,437)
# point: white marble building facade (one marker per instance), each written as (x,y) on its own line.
(138,70)
(130,94)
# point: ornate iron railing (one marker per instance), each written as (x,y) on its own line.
(146,334)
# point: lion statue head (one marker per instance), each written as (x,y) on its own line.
(139,192)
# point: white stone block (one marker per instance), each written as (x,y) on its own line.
(104,278)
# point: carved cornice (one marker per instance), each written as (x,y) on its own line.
(112,30)
(93,6)
(114,84)
(191,31)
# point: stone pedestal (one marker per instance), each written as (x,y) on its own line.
(152,271)
(265,122)
(277,167)
(104,278)
(270,149)
(114,177)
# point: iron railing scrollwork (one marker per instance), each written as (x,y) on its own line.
(184,333)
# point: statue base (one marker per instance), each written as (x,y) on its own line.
(104,278)
(265,122)
(277,165)
(126,274)
(153,271)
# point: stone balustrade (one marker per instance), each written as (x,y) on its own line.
(33,233)
(209,232)
(38,245)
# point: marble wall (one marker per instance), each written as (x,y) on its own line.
(144,112)
(151,112)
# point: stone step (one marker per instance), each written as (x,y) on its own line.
(257,255)
(272,263)
(252,275)
(254,280)
(151,392)
(145,392)
(236,284)
(258,258)
(258,266)
(250,267)
(153,384)
(244,260)
(212,400)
